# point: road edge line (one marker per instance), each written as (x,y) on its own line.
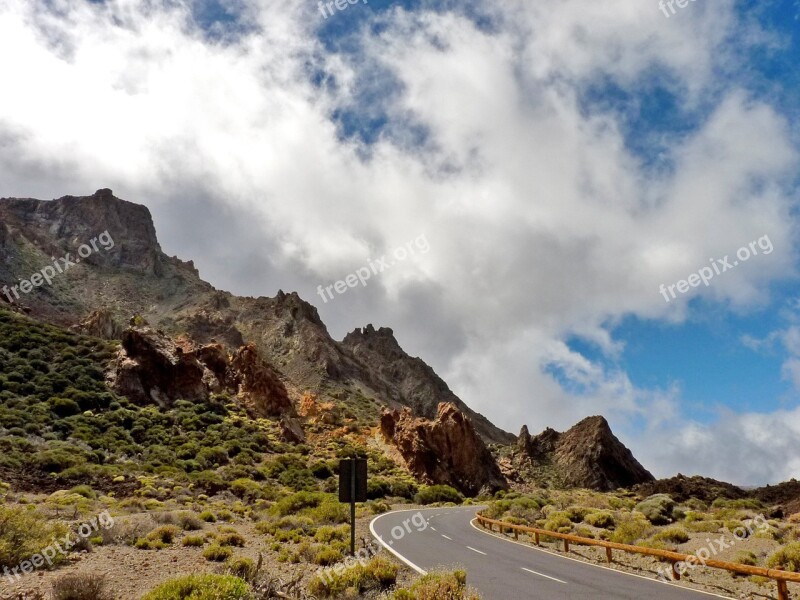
(391,550)
(591,564)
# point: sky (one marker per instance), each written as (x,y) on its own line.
(566,209)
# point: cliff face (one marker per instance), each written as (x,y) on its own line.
(133,276)
(445,450)
(410,381)
(588,455)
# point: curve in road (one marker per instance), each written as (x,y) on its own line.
(502,569)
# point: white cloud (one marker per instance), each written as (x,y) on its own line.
(541,221)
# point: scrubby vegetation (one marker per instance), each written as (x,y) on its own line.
(437,586)
(203,587)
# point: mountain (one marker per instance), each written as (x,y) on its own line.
(130,275)
(587,455)
(93,264)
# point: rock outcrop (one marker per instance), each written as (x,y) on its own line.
(258,384)
(411,382)
(588,455)
(446,450)
(100,323)
(153,368)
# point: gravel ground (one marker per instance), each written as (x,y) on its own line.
(130,573)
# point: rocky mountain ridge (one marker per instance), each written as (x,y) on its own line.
(587,455)
(271,352)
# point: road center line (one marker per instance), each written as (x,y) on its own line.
(445,537)
(433,528)
(542,575)
(478,551)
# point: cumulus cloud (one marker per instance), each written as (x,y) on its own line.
(542,222)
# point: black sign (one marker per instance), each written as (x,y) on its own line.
(353,480)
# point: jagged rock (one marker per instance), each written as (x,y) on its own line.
(100,323)
(291,431)
(412,382)
(446,450)
(588,455)
(259,384)
(150,367)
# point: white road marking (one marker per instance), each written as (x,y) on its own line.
(542,575)
(478,551)
(445,537)
(433,528)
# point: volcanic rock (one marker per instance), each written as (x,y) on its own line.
(588,455)
(445,451)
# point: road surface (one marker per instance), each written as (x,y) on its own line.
(504,570)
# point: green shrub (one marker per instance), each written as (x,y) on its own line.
(24,533)
(558,521)
(657,508)
(602,519)
(630,529)
(208,516)
(675,535)
(202,587)
(786,558)
(194,541)
(745,557)
(217,553)
(242,567)
(231,539)
(438,493)
(377,573)
(165,534)
(436,586)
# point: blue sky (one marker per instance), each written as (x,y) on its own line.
(563,160)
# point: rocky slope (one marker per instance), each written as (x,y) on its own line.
(445,450)
(587,455)
(132,276)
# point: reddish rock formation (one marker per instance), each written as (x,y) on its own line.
(589,455)
(446,450)
(259,385)
(151,367)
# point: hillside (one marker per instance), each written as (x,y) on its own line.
(134,277)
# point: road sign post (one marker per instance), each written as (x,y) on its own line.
(352,489)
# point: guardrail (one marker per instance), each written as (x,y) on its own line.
(782,578)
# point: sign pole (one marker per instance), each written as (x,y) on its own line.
(352,489)
(353,510)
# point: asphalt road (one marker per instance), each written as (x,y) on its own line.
(504,570)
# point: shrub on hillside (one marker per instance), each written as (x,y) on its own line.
(438,493)
(378,573)
(202,587)
(786,559)
(24,533)
(601,518)
(437,586)
(657,508)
